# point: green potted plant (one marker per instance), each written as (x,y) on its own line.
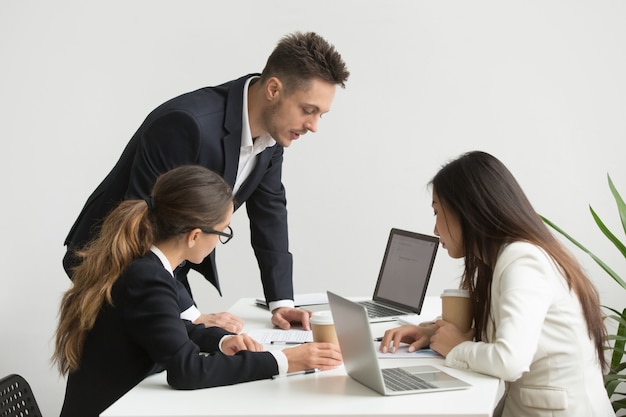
(615,379)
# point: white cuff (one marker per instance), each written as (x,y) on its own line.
(190,314)
(273,305)
(219,345)
(281,360)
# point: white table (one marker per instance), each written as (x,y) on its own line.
(327,393)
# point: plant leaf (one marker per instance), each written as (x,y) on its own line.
(619,245)
(613,310)
(604,266)
(621,206)
(619,405)
(611,384)
(618,319)
(618,347)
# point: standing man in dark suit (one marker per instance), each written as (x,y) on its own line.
(239,130)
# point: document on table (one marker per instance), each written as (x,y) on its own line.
(277,336)
(416,320)
(403,352)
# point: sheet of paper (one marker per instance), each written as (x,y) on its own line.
(277,336)
(403,352)
(416,320)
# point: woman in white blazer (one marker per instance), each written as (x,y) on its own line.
(537,319)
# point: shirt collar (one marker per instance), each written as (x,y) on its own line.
(163,259)
(263,141)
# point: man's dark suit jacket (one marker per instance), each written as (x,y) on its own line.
(202,127)
(143,329)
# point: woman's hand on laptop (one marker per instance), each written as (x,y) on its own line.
(418,337)
(322,356)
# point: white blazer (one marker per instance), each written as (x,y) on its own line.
(537,341)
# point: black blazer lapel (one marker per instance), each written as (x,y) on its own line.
(256,176)
(232,124)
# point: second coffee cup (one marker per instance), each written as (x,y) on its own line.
(323,327)
(456,308)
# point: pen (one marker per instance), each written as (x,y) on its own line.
(378,339)
(279,342)
(306,371)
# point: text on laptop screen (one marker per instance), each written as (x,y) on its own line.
(406,269)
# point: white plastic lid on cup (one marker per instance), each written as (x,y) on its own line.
(321,317)
(455,292)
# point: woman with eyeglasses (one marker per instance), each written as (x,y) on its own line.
(120,320)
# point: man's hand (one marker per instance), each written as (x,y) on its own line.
(224,320)
(283,317)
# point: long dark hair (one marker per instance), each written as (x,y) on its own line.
(493,210)
(182,199)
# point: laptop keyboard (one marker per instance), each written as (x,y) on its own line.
(397,379)
(376,310)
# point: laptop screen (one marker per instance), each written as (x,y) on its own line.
(406,268)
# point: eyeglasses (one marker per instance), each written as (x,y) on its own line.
(224,236)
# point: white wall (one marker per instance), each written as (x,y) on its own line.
(540,84)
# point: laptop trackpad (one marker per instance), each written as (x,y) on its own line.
(435,376)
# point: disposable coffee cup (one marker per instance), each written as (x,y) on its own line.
(323,327)
(456,308)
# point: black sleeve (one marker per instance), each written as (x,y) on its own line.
(152,318)
(267,210)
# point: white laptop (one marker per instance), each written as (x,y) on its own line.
(361,361)
(403,277)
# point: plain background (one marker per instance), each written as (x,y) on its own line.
(539,84)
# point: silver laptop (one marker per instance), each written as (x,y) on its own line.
(403,277)
(361,360)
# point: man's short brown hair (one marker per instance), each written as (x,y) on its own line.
(300,57)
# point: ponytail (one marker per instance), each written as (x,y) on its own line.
(183,198)
(125,235)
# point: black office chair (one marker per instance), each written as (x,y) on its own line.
(16,398)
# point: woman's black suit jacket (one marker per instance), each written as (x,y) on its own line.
(142,329)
